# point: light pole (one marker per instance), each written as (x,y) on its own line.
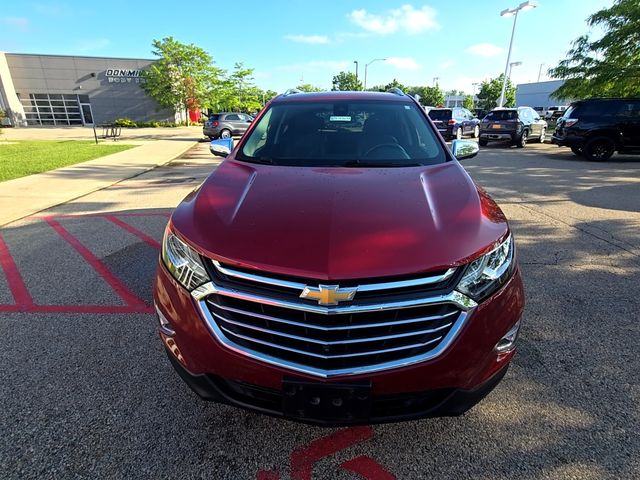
(473,93)
(366,66)
(540,71)
(512,12)
(356,62)
(511,65)
(435,81)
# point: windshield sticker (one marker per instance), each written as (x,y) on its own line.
(339,118)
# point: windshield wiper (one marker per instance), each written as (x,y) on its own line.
(358,163)
(261,160)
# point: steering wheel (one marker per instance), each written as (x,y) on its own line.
(392,148)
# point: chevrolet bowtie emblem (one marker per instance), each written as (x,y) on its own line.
(329,294)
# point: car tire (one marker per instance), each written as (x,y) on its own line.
(483,142)
(577,151)
(476,131)
(225,133)
(458,133)
(522,139)
(599,149)
(543,134)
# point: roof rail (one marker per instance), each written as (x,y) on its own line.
(396,91)
(291,91)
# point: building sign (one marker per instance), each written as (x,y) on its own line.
(122,75)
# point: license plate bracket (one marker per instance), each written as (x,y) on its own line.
(326,401)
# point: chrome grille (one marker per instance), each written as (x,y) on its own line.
(269,322)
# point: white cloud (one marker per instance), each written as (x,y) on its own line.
(317,65)
(18,23)
(485,50)
(406,18)
(92,44)
(310,39)
(447,64)
(403,63)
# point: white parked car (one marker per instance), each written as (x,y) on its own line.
(555,111)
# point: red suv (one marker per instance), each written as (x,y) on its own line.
(340,267)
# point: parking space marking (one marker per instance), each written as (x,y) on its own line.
(303,459)
(101,269)
(152,242)
(19,290)
(23,301)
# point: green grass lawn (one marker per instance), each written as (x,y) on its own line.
(21,158)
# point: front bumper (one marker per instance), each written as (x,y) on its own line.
(385,408)
(434,387)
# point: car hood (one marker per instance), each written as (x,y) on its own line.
(340,223)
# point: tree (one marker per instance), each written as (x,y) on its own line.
(490,93)
(181,76)
(609,66)
(346,81)
(454,93)
(468,102)
(429,96)
(307,87)
(394,84)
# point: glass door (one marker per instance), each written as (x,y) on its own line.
(85,109)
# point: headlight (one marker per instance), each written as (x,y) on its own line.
(484,275)
(183,263)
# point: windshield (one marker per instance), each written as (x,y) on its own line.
(343,133)
(499,115)
(440,114)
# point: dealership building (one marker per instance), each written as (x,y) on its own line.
(539,94)
(57,90)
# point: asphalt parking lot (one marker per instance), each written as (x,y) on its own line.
(87,391)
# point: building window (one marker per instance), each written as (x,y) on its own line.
(52,109)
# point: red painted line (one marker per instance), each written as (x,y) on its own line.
(367,468)
(10,308)
(119,214)
(152,242)
(101,269)
(302,460)
(111,309)
(16,284)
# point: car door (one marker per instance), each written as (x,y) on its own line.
(629,121)
(245,121)
(233,120)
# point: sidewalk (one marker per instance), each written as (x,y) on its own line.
(26,196)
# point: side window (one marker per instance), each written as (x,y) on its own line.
(534,115)
(233,117)
(631,109)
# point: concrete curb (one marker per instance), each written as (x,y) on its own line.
(24,212)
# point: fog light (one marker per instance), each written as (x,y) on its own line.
(165,326)
(508,342)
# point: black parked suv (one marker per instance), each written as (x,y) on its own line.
(224,125)
(518,125)
(455,122)
(598,127)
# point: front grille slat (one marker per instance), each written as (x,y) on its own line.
(390,322)
(339,342)
(346,355)
(350,326)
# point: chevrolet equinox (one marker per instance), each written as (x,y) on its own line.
(340,267)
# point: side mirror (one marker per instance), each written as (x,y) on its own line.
(221,147)
(462,149)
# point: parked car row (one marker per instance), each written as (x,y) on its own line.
(597,128)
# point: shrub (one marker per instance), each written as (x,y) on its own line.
(125,122)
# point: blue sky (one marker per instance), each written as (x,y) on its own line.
(287,41)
